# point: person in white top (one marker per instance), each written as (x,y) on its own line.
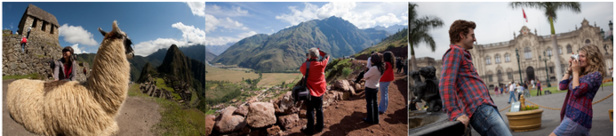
(520,90)
(372,78)
(511,92)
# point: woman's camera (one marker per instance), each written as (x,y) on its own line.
(575,56)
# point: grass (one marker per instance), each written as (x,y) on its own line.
(231,75)
(271,79)
(175,118)
(160,83)
(554,89)
(29,76)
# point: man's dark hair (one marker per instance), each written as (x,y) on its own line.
(459,26)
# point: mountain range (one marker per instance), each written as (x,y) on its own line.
(286,49)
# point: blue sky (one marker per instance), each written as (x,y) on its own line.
(496,21)
(230,22)
(150,25)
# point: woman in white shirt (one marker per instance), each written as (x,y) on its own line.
(372,80)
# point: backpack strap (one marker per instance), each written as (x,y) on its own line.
(307,71)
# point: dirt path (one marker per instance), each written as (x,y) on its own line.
(345,117)
(136,117)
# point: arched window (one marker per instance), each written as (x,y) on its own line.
(527,53)
(549,52)
(499,75)
(569,50)
(507,57)
(487,60)
(497,59)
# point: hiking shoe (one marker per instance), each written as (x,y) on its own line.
(307,131)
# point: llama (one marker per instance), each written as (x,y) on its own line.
(73,108)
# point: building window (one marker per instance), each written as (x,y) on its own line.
(497,59)
(487,60)
(569,50)
(527,53)
(44,26)
(507,58)
(52,28)
(34,22)
(552,70)
(499,75)
(509,75)
(549,52)
(490,78)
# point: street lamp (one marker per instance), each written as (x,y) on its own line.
(546,67)
(519,69)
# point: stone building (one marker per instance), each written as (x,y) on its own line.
(43,23)
(497,63)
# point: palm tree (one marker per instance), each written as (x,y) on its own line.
(418,32)
(550,9)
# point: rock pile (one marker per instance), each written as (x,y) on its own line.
(149,88)
(273,117)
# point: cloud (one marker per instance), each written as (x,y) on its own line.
(77,50)
(76,35)
(212,23)
(148,47)
(190,33)
(226,12)
(362,15)
(197,8)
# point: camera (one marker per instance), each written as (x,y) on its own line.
(575,56)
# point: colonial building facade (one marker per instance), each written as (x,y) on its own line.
(497,63)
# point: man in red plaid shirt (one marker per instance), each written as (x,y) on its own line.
(465,96)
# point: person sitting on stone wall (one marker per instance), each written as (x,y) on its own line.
(63,69)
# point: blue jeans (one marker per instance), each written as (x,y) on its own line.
(572,128)
(384,96)
(512,95)
(371,105)
(487,121)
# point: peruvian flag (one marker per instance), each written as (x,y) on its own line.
(524,13)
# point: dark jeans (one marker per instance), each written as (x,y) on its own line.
(538,90)
(372,106)
(315,104)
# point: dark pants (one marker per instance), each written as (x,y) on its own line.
(372,106)
(538,90)
(315,104)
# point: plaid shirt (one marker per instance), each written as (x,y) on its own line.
(578,103)
(460,87)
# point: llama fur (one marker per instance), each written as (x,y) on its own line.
(73,108)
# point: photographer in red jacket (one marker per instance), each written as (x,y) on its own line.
(317,85)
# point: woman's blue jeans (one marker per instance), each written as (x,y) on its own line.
(384,96)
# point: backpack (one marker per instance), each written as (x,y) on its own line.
(301,92)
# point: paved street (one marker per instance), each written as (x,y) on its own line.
(601,124)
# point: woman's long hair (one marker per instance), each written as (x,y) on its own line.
(377,60)
(388,56)
(594,60)
(70,60)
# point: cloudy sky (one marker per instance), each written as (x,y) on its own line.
(496,21)
(231,22)
(151,26)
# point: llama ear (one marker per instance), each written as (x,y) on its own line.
(115,27)
(102,31)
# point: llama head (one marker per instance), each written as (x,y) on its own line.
(116,33)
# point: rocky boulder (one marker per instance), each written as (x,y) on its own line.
(261,114)
(228,122)
(288,121)
(243,110)
(342,85)
(285,105)
(210,120)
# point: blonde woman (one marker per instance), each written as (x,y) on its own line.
(582,80)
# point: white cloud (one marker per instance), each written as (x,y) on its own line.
(228,12)
(149,47)
(190,33)
(362,15)
(76,35)
(212,23)
(197,8)
(77,50)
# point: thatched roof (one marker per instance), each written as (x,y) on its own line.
(41,14)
